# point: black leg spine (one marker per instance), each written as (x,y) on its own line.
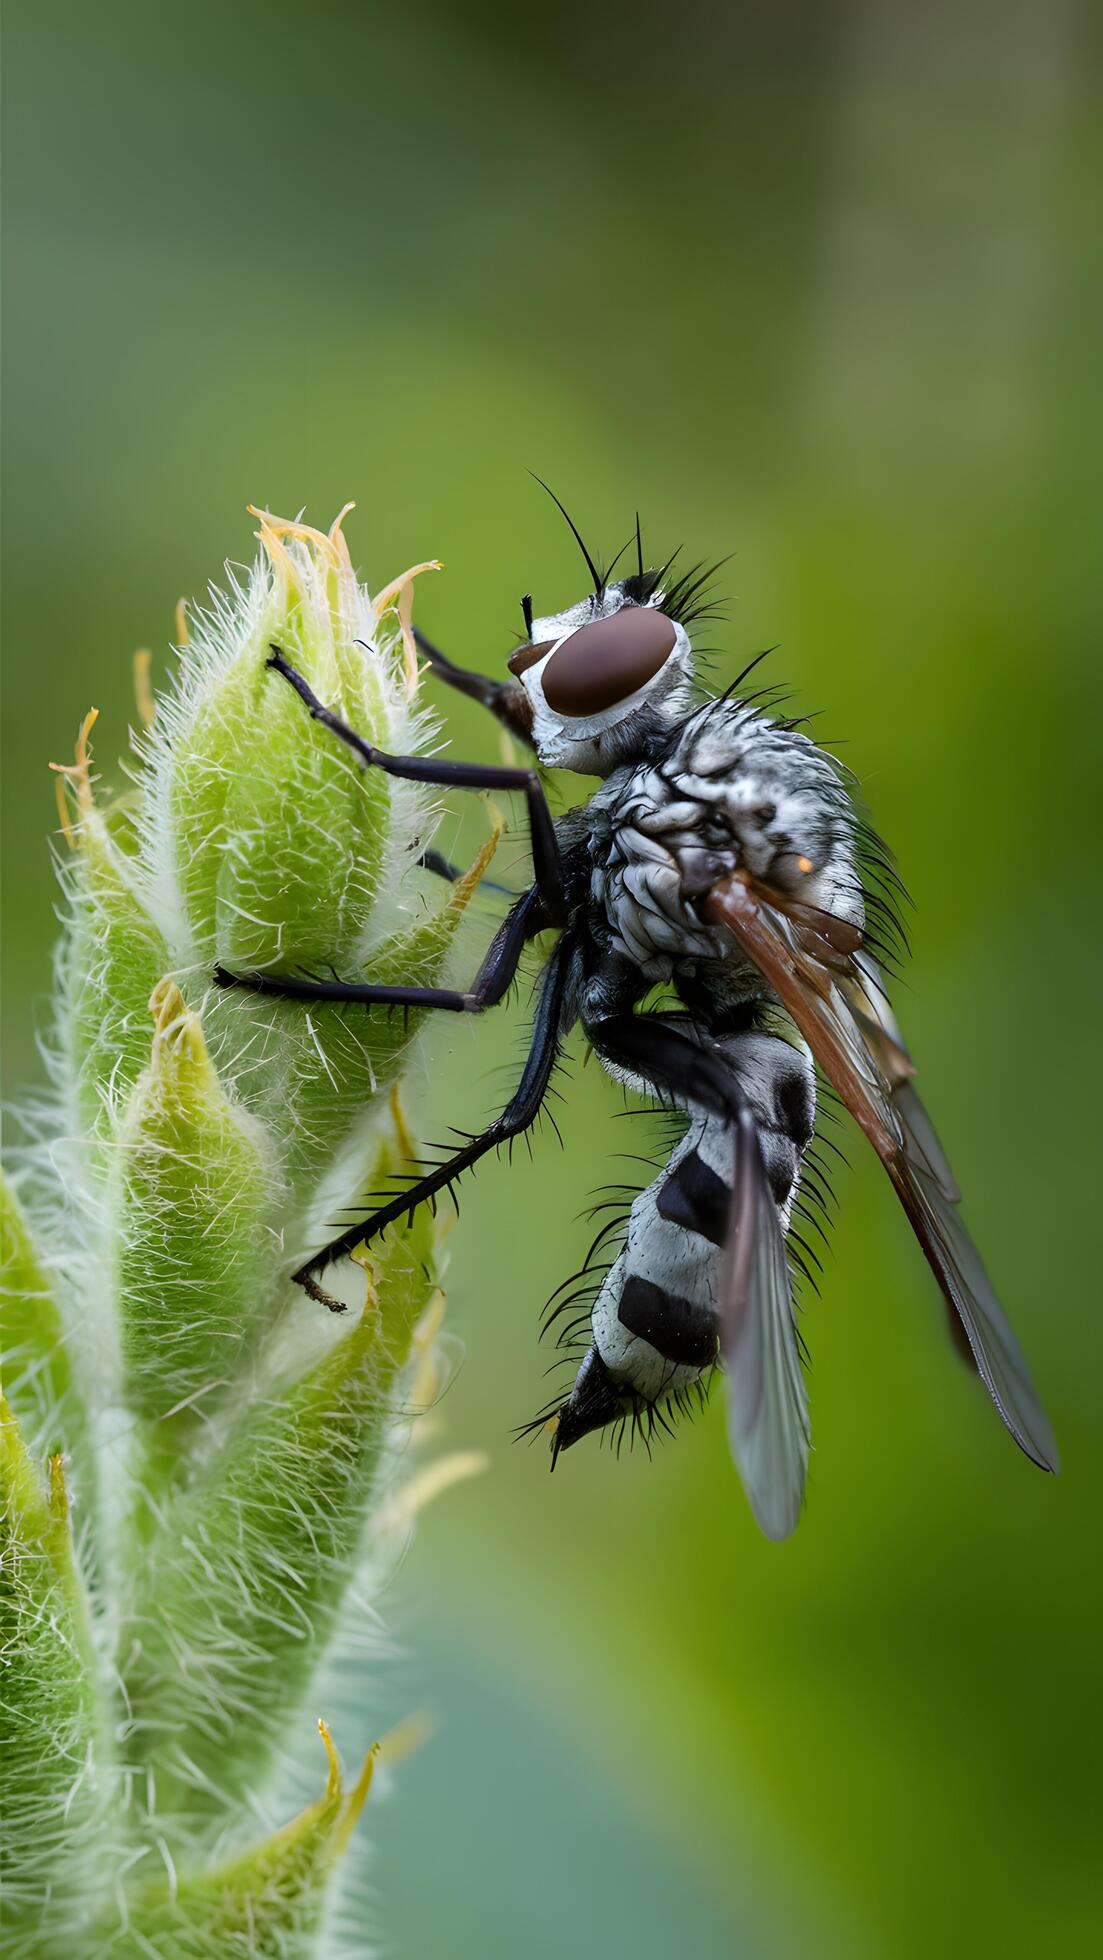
(490,985)
(519,1114)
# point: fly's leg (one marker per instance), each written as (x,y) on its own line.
(506,700)
(657,1051)
(546,863)
(542,906)
(491,982)
(442,867)
(519,1114)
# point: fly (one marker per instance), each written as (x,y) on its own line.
(724,860)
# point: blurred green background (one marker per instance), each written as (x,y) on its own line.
(818,285)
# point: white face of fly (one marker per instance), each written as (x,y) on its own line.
(601,677)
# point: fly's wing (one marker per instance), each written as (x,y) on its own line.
(868,1003)
(961,1273)
(767,1401)
(834,1004)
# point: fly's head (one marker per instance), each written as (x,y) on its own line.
(603,677)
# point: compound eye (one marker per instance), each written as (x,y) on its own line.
(528,656)
(608,660)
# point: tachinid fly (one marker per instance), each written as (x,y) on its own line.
(724,860)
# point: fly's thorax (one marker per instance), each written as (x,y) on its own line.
(730,790)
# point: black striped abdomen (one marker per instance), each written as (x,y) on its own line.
(682,1331)
(656,1321)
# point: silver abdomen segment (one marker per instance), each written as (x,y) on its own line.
(656,1319)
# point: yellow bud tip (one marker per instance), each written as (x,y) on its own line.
(361,1257)
(59,1493)
(143,692)
(181,617)
(270,536)
(166,1004)
(398,597)
(77,775)
(173,1020)
(329,546)
(384,600)
(466,886)
(552,1425)
(358,1796)
(402,1131)
(333,1772)
(337,535)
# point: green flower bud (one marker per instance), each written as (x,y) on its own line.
(275,848)
(194,1199)
(270,1900)
(230,1436)
(266,845)
(49,1728)
(38,1376)
(245,1582)
(111,958)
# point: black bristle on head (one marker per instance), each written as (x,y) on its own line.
(526,613)
(614,562)
(642,586)
(599,582)
(690,598)
(687,599)
(658,578)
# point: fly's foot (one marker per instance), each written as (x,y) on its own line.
(318,1292)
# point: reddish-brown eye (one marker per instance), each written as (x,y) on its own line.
(528,656)
(608,660)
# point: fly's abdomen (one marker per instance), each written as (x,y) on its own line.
(656,1320)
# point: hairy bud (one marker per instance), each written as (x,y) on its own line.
(227,1440)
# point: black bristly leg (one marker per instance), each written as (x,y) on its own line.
(546,864)
(489,986)
(519,1114)
(656,1050)
(506,700)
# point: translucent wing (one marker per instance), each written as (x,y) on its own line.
(767,1402)
(868,1003)
(835,999)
